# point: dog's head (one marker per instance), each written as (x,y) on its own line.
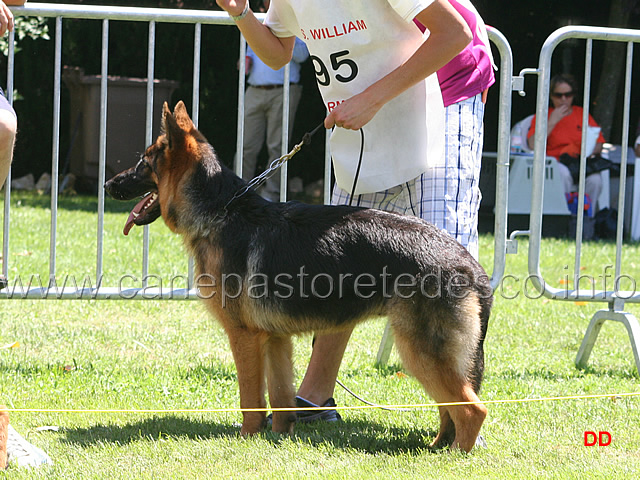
(160,175)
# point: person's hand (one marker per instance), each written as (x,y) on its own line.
(353,113)
(232,7)
(6,19)
(558,114)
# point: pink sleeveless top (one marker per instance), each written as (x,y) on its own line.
(471,71)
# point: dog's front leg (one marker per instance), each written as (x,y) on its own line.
(278,353)
(248,352)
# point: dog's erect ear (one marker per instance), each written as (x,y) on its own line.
(172,130)
(182,117)
(166,117)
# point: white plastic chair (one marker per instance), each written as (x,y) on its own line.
(520,176)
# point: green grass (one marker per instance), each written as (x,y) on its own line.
(121,355)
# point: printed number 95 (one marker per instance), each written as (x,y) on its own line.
(348,66)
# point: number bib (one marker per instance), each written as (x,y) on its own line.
(354,43)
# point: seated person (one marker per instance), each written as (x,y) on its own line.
(564,134)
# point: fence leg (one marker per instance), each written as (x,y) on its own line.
(627,319)
(386,344)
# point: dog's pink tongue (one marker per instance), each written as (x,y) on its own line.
(133,215)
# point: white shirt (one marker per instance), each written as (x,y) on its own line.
(354,43)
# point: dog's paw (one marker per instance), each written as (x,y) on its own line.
(253,424)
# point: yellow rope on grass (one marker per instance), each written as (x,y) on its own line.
(613,396)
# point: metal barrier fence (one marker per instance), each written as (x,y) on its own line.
(615,298)
(507,84)
(106,14)
(151,15)
(197,18)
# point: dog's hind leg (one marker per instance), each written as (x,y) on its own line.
(447,433)
(248,353)
(441,354)
(445,385)
(278,354)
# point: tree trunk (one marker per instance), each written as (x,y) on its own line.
(613,68)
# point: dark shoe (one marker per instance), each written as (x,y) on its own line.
(3,282)
(309,416)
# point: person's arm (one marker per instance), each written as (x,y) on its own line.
(531,141)
(598,149)
(6,19)
(449,34)
(274,51)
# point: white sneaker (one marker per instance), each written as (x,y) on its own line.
(23,453)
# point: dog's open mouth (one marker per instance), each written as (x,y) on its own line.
(145,212)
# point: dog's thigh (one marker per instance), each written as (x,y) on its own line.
(248,353)
(438,346)
(278,353)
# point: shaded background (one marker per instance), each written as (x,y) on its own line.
(525,24)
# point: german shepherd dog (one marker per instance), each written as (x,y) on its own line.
(273,270)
